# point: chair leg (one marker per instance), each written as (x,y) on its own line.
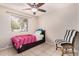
(62,49)
(73,51)
(66,50)
(56,47)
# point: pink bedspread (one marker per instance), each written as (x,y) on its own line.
(23,39)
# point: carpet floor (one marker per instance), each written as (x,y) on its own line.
(44,49)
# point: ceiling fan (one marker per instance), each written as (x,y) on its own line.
(35,7)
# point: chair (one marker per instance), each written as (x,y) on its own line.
(70,44)
(59,41)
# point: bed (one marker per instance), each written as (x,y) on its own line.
(34,39)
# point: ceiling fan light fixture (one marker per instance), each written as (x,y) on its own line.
(34,9)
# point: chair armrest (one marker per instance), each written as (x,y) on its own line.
(65,43)
(59,40)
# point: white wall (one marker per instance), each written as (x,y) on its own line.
(5,27)
(60,18)
(77,28)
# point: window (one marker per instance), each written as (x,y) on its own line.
(19,24)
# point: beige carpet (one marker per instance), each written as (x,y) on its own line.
(44,49)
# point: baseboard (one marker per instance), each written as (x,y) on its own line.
(5,47)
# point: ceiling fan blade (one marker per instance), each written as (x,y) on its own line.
(27,9)
(41,10)
(40,4)
(30,4)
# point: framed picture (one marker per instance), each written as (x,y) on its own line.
(19,24)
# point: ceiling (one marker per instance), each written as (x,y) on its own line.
(49,7)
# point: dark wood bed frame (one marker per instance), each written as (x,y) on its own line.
(28,46)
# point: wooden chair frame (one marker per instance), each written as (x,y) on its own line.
(66,46)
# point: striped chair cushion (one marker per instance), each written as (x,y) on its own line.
(72,36)
(66,35)
(69,35)
(58,41)
(71,40)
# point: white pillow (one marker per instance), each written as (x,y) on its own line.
(39,36)
(38,32)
